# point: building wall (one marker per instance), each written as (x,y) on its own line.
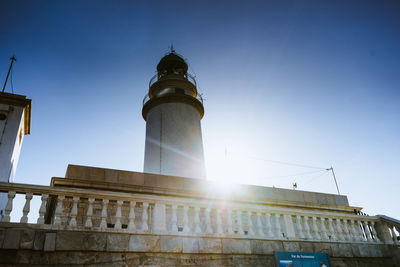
(11,137)
(174,143)
(29,245)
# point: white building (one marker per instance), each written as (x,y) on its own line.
(15,123)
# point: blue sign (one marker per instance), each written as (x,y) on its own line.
(301,259)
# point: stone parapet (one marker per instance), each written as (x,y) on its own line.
(28,244)
(128,181)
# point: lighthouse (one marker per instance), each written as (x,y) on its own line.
(173,110)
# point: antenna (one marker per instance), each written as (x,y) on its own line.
(8,74)
(171,47)
(334,177)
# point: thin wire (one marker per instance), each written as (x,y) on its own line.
(312,179)
(293,175)
(283,162)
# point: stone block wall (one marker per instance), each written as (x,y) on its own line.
(23,244)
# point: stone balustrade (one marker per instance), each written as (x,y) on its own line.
(95,210)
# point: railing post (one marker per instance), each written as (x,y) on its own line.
(324,234)
(289,226)
(374,233)
(208,220)
(339,230)
(360,230)
(250,224)
(278,229)
(42,209)
(220,229)
(27,207)
(331,229)
(185,219)
(229,221)
(9,207)
(131,225)
(239,222)
(259,227)
(174,219)
(383,232)
(159,218)
(353,233)
(366,230)
(197,228)
(103,223)
(118,215)
(74,212)
(346,230)
(315,228)
(307,230)
(299,227)
(268,225)
(394,236)
(145,217)
(59,211)
(89,213)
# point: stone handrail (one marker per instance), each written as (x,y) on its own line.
(96,210)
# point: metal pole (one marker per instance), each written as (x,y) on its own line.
(8,74)
(334,177)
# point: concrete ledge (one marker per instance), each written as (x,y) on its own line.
(119,180)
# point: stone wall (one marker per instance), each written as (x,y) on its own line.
(22,244)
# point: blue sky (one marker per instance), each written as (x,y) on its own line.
(307,82)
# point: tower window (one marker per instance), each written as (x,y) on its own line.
(20,136)
(179,91)
(2,116)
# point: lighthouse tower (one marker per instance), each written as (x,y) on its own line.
(172,110)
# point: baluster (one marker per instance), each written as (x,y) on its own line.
(346,230)
(307,228)
(331,230)
(103,223)
(145,217)
(250,223)
(59,211)
(268,224)
(398,231)
(208,220)
(353,232)
(185,219)
(374,234)
(27,207)
(339,230)
(315,228)
(9,206)
(259,228)
(74,212)
(300,230)
(278,229)
(220,229)
(197,228)
(324,234)
(118,215)
(229,222)
(360,231)
(366,231)
(174,219)
(239,222)
(89,213)
(393,234)
(131,224)
(42,209)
